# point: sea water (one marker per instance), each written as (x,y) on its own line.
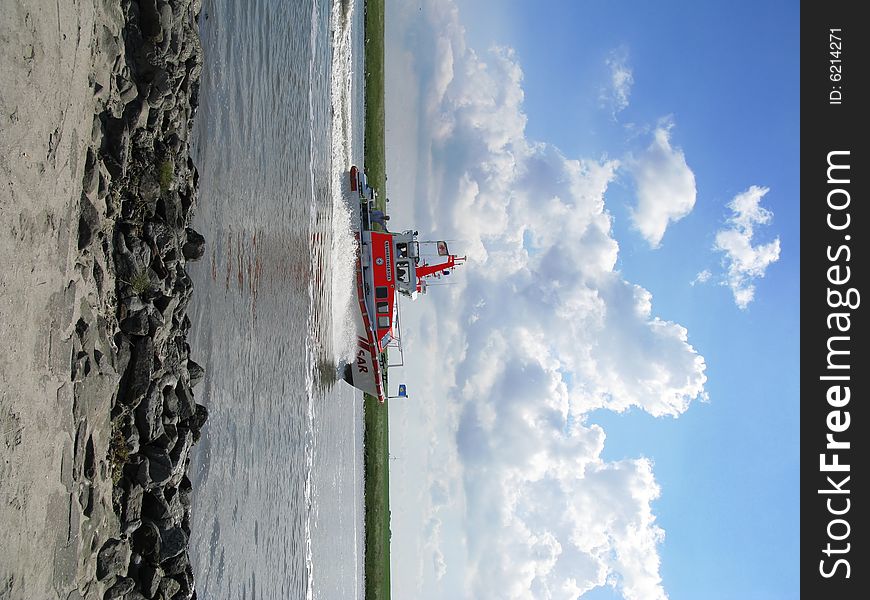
(278,490)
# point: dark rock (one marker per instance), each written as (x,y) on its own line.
(154,471)
(133,503)
(138,375)
(155,507)
(170,404)
(181,450)
(196,373)
(173,541)
(130,526)
(136,324)
(130,433)
(185,489)
(113,558)
(194,247)
(168,587)
(171,209)
(186,402)
(116,146)
(149,186)
(166,20)
(198,420)
(167,440)
(149,579)
(177,565)
(149,19)
(89,466)
(146,540)
(89,221)
(122,356)
(149,415)
(123,586)
(91,179)
(86,499)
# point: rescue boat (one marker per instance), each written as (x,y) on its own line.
(388,265)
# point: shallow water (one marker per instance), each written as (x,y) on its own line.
(277,508)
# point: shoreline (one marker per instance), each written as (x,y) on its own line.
(98,414)
(376,416)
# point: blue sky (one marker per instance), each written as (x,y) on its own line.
(682,118)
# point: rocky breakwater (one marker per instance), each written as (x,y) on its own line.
(139,188)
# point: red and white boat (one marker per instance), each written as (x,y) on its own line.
(387,264)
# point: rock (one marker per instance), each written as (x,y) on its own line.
(185,489)
(138,375)
(170,404)
(194,247)
(122,357)
(196,373)
(168,439)
(149,19)
(149,579)
(146,540)
(116,147)
(113,558)
(198,420)
(180,453)
(133,503)
(136,324)
(130,526)
(91,179)
(130,433)
(154,506)
(186,402)
(149,414)
(122,587)
(149,186)
(168,587)
(166,21)
(177,565)
(89,222)
(173,541)
(154,471)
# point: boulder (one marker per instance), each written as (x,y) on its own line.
(194,247)
(173,541)
(122,587)
(113,558)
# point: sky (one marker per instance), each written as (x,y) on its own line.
(604,399)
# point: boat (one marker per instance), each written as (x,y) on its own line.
(389,265)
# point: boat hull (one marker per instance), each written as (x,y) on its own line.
(364,372)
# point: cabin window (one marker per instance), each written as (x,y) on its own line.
(384,308)
(383,321)
(381,291)
(402,272)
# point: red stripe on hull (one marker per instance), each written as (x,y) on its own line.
(370,341)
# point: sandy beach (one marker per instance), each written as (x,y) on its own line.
(66,79)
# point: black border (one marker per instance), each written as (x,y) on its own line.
(827,127)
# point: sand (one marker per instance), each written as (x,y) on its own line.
(55,384)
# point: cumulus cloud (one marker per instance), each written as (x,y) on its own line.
(539,330)
(616,94)
(744,262)
(665,186)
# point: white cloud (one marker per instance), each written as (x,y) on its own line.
(744,262)
(537,331)
(617,93)
(702,277)
(665,186)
